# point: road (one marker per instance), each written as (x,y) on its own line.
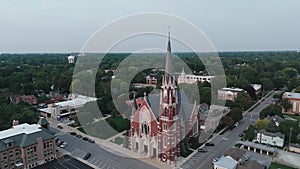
(100,157)
(225,141)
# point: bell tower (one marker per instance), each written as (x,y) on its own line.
(168,136)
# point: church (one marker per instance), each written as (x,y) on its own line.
(159,122)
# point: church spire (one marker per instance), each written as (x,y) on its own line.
(168,66)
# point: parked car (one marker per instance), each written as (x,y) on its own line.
(241,134)
(87,156)
(202,150)
(63,144)
(60,127)
(215,160)
(91,141)
(209,144)
(85,138)
(73,133)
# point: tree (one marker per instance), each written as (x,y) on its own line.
(226,121)
(285,127)
(236,114)
(261,124)
(286,105)
(243,100)
(250,134)
(272,127)
(290,72)
(270,111)
(267,84)
(297,89)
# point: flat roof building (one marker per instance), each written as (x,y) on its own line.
(26,146)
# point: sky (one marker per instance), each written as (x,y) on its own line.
(65,25)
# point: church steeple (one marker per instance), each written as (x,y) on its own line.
(168,65)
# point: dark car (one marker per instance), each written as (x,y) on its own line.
(87,156)
(91,141)
(73,133)
(78,135)
(202,150)
(85,138)
(209,144)
(241,134)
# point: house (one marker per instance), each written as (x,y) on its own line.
(257,88)
(30,99)
(225,163)
(251,164)
(274,139)
(193,79)
(231,159)
(160,122)
(26,146)
(229,93)
(237,154)
(294,99)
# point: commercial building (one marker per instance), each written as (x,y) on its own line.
(65,108)
(26,146)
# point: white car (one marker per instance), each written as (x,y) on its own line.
(215,160)
(63,144)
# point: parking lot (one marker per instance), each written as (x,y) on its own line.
(65,162)
(77,147)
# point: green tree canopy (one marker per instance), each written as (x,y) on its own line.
(271,111)
(236,114)
(243,100)
(272,127)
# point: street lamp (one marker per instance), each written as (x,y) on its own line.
(290,137)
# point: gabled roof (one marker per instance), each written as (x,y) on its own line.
(251,164)
(235,153)
(226,162)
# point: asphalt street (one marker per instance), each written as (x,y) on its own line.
(225,141)
(99,157)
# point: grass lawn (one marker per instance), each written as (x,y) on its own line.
(279,166)
(106,128)
(185,154)
(118,140)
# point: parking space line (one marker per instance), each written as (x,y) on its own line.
(100,164)
(104,165)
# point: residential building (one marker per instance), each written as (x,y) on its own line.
(159,122)
(257,88)
(30,99)
(225,163)
(294,99)
(251,164)
(235,158)
(229,93)
(274,139)
(26,146)
(193,79)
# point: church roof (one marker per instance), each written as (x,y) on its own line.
(185,108)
